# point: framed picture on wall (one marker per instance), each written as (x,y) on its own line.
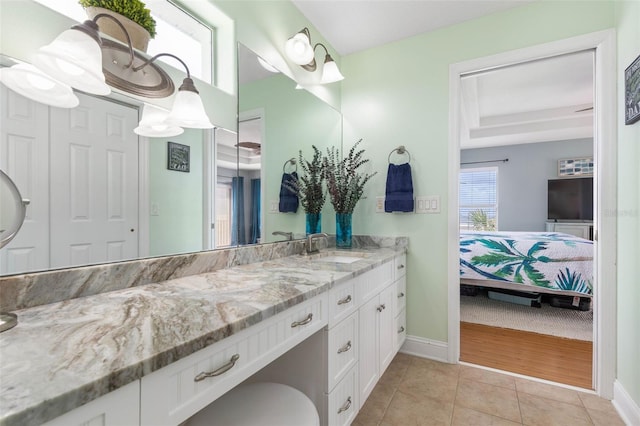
(575,167)
(632,92)
(178,157)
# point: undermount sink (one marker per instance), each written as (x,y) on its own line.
(333,257)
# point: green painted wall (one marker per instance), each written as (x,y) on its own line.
(178,196)
(294,121)
(397,94)
(628,368)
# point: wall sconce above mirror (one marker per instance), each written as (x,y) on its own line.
(300,51)
(80,58)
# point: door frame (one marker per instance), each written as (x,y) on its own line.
(605,191)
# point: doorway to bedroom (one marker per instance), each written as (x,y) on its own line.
(526,185)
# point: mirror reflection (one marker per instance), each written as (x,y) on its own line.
(279,121)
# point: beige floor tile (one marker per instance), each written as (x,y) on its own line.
(538,411)
(591,401)
(451,370)
(375,406)
(489,399)
(407,410)
(605,418)
(463,416)
(429,383)
(544,390)
(486,376)
(401,358)
(394,373)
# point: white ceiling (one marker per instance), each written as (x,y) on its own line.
(532,102)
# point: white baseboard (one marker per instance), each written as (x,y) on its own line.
(625,405)
(425,348)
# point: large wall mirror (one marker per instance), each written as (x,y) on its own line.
(277,121)
(100,199)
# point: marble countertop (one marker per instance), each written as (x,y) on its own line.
(65,354)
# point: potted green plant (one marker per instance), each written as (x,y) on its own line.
(309,189)
(345,185)
(132,14)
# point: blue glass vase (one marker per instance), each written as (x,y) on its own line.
(314,223)
(343,230)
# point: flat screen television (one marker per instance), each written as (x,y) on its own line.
(570,199)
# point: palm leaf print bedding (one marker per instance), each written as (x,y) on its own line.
(551,260)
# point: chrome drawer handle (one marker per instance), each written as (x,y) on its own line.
(401,266)
(345,300)
(381,307)
(345,348)
(228,366)
(400,295)
(401,329)
(346,406)
(305,321)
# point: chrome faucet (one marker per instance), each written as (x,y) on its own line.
(289,235)
(309,244)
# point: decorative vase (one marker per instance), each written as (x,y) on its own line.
(314,223)
(139,36)
(343,230)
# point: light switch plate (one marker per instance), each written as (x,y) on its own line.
(380,204)
(428,204)
(274,206)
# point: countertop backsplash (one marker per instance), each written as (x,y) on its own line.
(34,289)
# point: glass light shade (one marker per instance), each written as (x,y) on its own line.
(75,59)
(154,123)
(32,83)
(298,49)
(330,71)
(267,66)
(188,111)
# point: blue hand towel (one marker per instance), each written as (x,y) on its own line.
(288,198)
(399,192)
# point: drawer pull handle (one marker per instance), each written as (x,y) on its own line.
(400,295)
(401,266)
(401,329)
(345,300)
(345,348)
(381,307)
(228,366)
(305,321)
(346,406)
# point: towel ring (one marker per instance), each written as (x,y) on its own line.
(293,163)
(401,150)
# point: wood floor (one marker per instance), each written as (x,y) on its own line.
(536,355)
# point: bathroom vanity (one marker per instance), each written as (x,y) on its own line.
(156,354)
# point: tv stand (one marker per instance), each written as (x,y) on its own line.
(582,229)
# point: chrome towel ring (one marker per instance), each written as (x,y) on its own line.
(401,150)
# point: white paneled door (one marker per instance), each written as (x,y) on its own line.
(24,156)
(79,169)
(94,183)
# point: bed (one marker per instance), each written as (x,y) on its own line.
(541,262)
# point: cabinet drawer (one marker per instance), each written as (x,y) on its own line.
(342,301)
(401,329)
(400,266)
(401,294)
(172,394)
(342,345)
(370,283)
(343,400)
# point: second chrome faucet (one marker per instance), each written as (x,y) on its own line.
(310,246)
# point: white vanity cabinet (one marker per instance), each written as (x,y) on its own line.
(376,326)
(400,276)
(120,407)
(176,392)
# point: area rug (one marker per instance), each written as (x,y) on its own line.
(560,322)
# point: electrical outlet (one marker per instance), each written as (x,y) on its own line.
(155,209)
(380,204)
(274,206)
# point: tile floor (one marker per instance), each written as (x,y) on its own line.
(417,391)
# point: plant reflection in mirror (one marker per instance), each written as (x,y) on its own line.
(309,187)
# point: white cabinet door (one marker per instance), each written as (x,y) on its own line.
(369,336)
(386,329)
(118,408)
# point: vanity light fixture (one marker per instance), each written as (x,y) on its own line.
(32,83)
(299,50)
(154,124)
(81,59)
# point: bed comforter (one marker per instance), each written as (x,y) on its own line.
(549,260)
